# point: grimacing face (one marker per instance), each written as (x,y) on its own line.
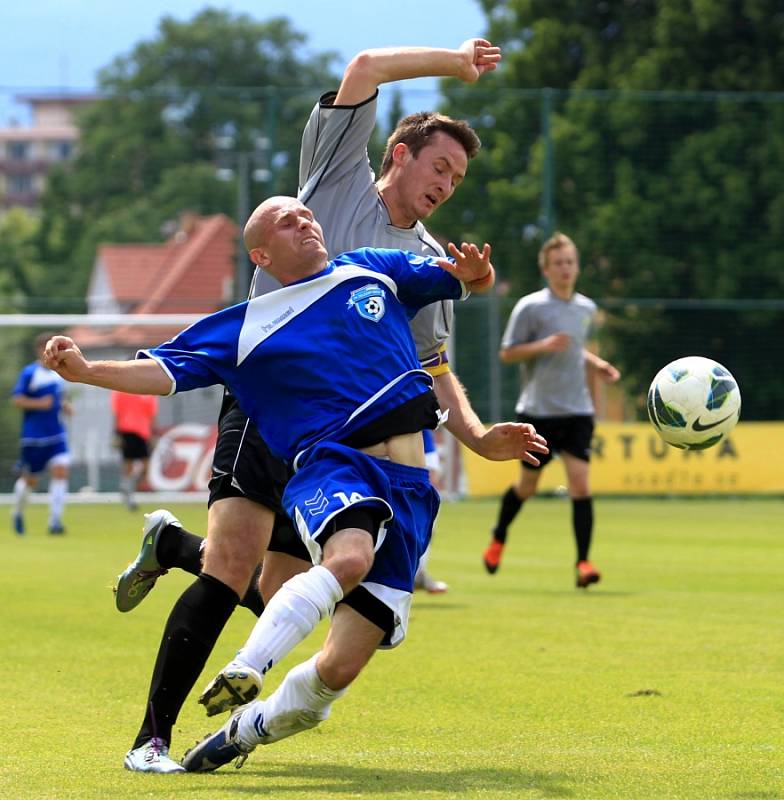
(431,178)
(289,237)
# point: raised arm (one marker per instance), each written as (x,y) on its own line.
(370,68)
(145,376)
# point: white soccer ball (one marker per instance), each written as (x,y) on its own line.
(694,403)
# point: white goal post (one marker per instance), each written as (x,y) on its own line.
(60,321)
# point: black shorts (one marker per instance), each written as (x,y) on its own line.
(244,467)
(133,447)
(564,434)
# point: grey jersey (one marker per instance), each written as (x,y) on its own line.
(337,184)
(553,384)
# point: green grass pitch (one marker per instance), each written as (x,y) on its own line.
(664,681)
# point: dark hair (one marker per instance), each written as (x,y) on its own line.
(415,131)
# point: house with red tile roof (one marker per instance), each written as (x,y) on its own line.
(191,273)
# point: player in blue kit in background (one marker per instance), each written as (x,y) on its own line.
(39,393)
(347,418)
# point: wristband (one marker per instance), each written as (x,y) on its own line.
(483,280)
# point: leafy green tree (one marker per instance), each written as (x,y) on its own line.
(22,277)
(22,273)
(174,112)
(650,133)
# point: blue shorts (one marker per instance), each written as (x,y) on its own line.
(35,458)
(332,478)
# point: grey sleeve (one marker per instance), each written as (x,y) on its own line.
(334,145)
(518,327)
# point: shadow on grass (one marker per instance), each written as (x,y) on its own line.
(339,779)
(598,593)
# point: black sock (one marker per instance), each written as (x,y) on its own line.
(582,522)
(190,634)
(179,548)
(510,505)
(252,599)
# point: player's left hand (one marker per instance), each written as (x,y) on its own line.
(608,373)
(505,441)
(471,266)
(480,56)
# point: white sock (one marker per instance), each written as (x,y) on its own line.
(301,702)
(57,490)
(21,493)
(292,613)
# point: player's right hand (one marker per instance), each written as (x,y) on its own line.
(63,355)
(556,343)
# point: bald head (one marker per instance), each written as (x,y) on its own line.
(253,234)
(283,237)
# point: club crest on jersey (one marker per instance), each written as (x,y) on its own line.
(369,301)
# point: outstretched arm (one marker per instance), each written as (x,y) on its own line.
(144,376)
(501,442)
(370,68)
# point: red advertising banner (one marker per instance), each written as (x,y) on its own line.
(182,458)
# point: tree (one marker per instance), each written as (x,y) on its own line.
(151,146)
(660,148)
(21,271)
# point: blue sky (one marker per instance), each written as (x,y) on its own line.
(46,44)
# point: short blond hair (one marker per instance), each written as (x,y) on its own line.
(555,242)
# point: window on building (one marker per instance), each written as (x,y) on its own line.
(60,150)
(20,184)
(19,151)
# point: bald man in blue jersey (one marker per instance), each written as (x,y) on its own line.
(425,161)
(327,369)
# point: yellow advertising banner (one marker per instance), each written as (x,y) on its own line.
(630,458)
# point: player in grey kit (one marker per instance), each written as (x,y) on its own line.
(425,161)
(547,334)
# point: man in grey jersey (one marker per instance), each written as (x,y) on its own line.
(547,334)
(426,160)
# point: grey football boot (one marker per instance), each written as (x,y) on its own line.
(137,581)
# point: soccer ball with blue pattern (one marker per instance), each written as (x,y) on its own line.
(694,403)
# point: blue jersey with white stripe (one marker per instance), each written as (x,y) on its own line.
(320,358)
(41,427)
